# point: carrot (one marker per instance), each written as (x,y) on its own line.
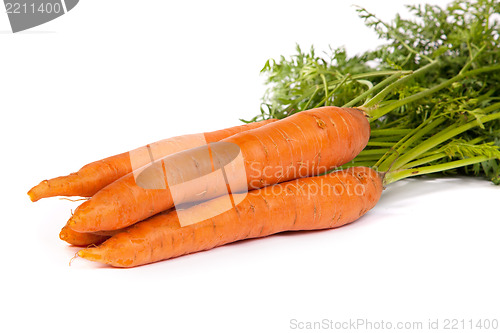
(96,175)
(307,143)
(81,238)
(321,202)
(84,238)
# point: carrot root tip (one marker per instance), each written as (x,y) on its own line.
(32,195)
(74,257)
(90,254)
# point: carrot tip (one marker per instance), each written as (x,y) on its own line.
(90,254)
(40,191)
(74,257)
(33,196)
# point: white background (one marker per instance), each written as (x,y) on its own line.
(110,76)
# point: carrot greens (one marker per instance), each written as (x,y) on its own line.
(432,90)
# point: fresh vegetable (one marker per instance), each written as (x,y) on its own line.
(96,175)
(443,121)
(432,98)
(326,201)
(307,143)
(311,203)
(84,238)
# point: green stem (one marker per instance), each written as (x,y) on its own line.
(374,74)
(378,86)
(356,77)
(377,113)
(381,95)
(401,122)
(443,150)
(425,160)
(469,63)
(366,152)
(395,139)
(326,88)
(445,135)
(311,98)
(392,176)
(354,163)
(389,131)
(371,158)
(423,129)
(380,143)
(337,87)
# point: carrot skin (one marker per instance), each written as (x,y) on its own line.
(96,175)
(81,238)
(305,144)
(85,238)
(311,203)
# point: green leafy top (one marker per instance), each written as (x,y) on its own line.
(432,90)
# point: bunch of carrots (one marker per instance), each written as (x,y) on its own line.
(139,224)
(322,167)
(131,224)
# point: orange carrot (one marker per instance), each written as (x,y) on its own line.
(84,238)
(81,238)
(320,202)
(305,144)
(96,175)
